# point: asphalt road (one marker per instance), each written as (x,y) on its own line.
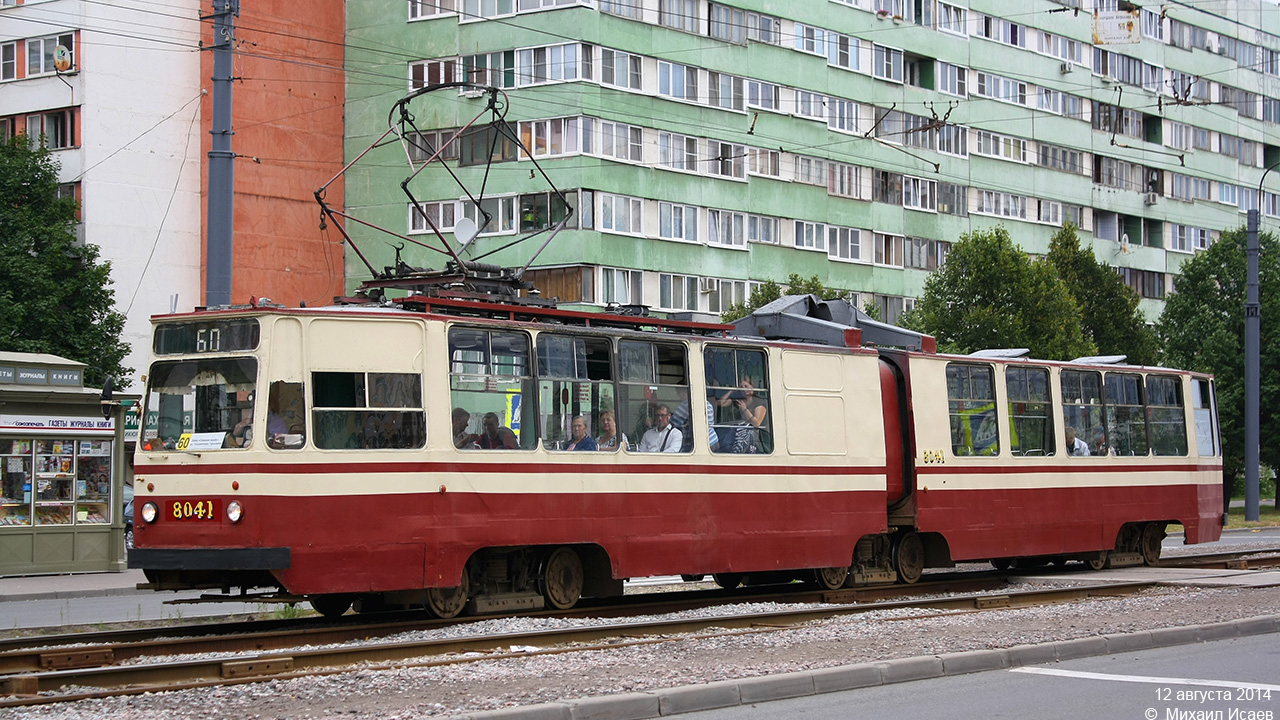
(1235,679)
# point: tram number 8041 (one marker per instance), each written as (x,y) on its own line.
(193,510)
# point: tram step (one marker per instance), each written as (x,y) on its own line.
(505,602)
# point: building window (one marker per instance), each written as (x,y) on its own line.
(677,292)
(843,51)
(1001,88)
(842,180)
(441,214)
(1060,158)
(762,95)
(952,79)
(887,63)
(624,8)
(419,9)
(726,159)
(55,130)
(1000,30)
(886,187)
(842,114)
(498,69)
(953,199)
(919,194)
(811,39)
(474,9)
(619,69)
(726,228)
(728,24)
(844,243)
(811,171)
(422,146)
(811,235)
(922,254)
(724,91)
(8,61)
(724,294)
(678,81)
(556,63)
(951,19)
(1009,205)
(498,215)
(40,53)
(679,14)
(621,286)
(764,162)
(1001,146)
(678,152)
(622,142)
(762,229)
(888,250)
(764,28)
(620,214)
(677,222)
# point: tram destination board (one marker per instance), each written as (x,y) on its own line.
(207,336)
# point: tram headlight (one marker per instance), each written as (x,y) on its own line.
(234,511)
(149,512)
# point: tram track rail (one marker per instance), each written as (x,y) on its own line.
(55,686)
(261,650)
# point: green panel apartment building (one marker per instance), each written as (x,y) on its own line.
(709,146)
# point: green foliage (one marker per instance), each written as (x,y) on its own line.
(768,291)
(1202,328)
(1108,307)
(55,297)
(989,294)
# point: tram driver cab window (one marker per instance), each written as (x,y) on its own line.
(286,416)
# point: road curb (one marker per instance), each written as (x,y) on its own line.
(734,693)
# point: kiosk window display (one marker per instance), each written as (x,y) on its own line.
(55,481)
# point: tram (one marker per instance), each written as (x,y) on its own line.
(432,451)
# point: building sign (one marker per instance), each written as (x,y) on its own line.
(22,423)
(1115,27)
(73,377)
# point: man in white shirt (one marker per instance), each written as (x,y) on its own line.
(1075,446)
(664,437)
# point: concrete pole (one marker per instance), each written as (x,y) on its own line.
(1252,385)
(219,244)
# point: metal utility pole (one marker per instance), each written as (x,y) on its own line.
(219,245)
(1252,371)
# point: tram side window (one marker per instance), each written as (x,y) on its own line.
(1167,415)
(489,378)
(738,392)
(653,386)
(971,402)
(1126,414)
(286,416)
(575,387)
(356,410)
(1082,410)
(1030,419)
(1206,423)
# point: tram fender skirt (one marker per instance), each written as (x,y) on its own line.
(937,553)
(599,581)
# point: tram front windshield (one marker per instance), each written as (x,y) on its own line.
(201,398)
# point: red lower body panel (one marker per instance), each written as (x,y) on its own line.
(996,523)
(365,543)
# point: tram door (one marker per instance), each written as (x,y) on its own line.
(894,407)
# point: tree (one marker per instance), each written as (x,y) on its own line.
(1202,328)
(1108,307)
(55,297)
(768,291)
(989,294)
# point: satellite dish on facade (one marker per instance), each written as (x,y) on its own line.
(62,58)
(465,231)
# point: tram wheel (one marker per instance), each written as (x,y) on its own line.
(331,606)
(830,578)
(728,581)
(446,603)
(908,557)
(1152,543)
(1099,561)
(562,578)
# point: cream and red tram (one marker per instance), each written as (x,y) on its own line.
(418,454)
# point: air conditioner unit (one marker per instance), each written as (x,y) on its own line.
(471,93)
(1151,198)
(708,285)
(1065,67)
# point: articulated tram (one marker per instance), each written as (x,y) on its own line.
(465,455)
